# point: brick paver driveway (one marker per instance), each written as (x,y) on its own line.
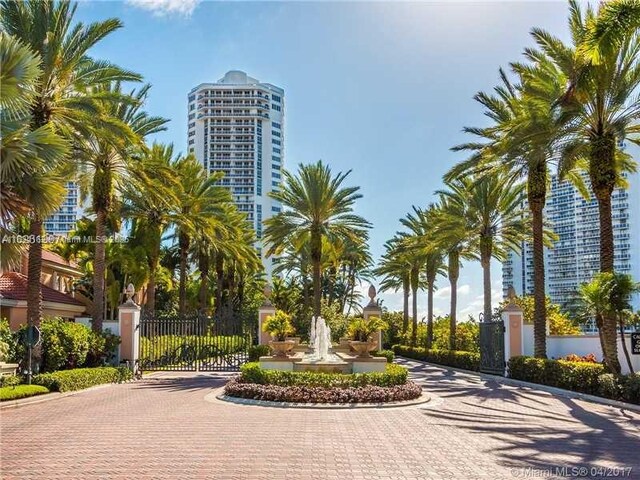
(164,428)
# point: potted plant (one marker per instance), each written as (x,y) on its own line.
(279,327)
(361,332)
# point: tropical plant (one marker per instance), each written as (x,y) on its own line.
(600,103)
(609,294)
(278,325)
(362,329)
(66,96)
(317,207)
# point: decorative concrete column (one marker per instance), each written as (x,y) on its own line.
(129,324)
(265,310)
(512,317)
(372,309)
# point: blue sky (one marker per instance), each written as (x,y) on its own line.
(382,88)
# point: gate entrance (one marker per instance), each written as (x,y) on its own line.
(492,347)
(192,343)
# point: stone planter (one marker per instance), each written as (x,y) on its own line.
(362,349)
(295,340)
(281,348)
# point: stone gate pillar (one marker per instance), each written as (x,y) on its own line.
(129,323)
(372,309)
(265,310)
(513,319)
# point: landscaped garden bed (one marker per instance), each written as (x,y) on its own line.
(449,358)
(81,378)
(315,387)
(16,392)
(585,377)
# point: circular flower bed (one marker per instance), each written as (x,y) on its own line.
(300,394)
(313,387)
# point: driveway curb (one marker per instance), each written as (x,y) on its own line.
(46,397)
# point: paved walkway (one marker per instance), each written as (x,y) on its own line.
(163,428)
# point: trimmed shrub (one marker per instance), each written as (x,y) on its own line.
(21,391)
(318,394)
(64,344)
(450,358)
(576,376)
(252,373)
(585,377)
(388,354)
(10,380)
(80,378)
(257,351)
(103,348)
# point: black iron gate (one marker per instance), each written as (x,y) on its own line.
(193,343)
(492,347)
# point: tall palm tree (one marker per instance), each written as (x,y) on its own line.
(201,208)
(522,140)
(601,105)
(64,97)
(396,275)
(450,234)
(317,207)
(28,157)
(432,254)
(149,200)
(108,158)
(495,218)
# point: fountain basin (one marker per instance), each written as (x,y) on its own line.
(338,362)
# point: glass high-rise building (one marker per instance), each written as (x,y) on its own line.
(236,126)
(64,219)
(575,256)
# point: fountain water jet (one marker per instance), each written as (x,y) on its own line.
(320,338)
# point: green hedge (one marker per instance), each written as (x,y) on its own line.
(252,373)
(388,354)
(590,378)
(80,378)
(21,391)
(450,358)
(178,349)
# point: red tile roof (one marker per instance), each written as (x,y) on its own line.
(55,258)
(13,286)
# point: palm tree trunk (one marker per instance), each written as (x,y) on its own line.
(99,271)
(405,305)
(453,273)
(624,347)
(485,261)
(602,172)
(183,244)
(537,194)
(219,284)
(204,282)
(430,288)
(34,273)
(316,259)
(414,320)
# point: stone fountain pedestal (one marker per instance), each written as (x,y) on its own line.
(339,361)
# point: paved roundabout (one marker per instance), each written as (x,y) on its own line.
(165,427)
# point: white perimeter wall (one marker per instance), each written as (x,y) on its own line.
(563,345)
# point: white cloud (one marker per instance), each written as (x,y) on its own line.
(445,292)
(166,7)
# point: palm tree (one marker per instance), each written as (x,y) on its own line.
(422,239)
(603,110)
(108,159)
(318,208)
(495,218)
(523,141)
(608,294)
(395,272)
(64,97)
(201,209)
(28,157)
(451,235)
(149,203)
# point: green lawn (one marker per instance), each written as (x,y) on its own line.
(21,391)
